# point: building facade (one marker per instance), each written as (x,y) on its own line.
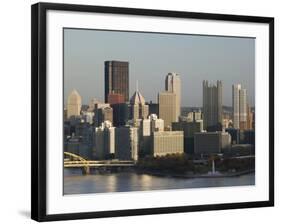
(74,104)
(239,106)
(212,105)
(115,98)
(211,142)
(126,143)
(121,114)
(167,142)
(116,77)
(139,110)
(173,85)
(104,141)
(167,108)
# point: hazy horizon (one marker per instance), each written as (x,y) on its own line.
(152,56)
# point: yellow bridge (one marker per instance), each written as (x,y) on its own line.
(74,161)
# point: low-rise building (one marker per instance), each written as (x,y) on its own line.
(167,142)
(211,142)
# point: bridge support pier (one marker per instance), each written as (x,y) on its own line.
(86,170)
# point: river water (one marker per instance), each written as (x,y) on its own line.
(76,183)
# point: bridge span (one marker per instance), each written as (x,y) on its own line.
(75,161)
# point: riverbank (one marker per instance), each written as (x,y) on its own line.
(215,175)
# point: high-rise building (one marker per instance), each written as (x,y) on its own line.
(121,114)
(212,106)
(116,78)
(167,108)
(239,106)
(153,108)
(156,123)
(104,141)
(139,110)
(173,85)
(115,98)
(74,103)
(147,127)
(126,143)
(103,112)
(167,142)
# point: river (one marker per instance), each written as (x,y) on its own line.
(76,183)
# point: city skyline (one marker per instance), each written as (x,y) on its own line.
(80,74)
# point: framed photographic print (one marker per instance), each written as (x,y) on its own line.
(140,111)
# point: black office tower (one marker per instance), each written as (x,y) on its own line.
(116,79)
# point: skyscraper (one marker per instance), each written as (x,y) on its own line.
(239,107)
(212,106)
(167,108)
(116,78)
(74,103)
(115,98)
(139,110)
(126,143)
(104,140)
(173,85)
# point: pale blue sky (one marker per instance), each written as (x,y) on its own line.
(151,56)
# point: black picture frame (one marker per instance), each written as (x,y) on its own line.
(38,108)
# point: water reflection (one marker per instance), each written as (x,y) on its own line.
(76,183)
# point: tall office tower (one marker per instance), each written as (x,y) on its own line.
(74,103)
(104,141)
(126,143)
(139,110)
(167,108)
(239,107)
(115,98)
(173,85)
(116,78)
(212,106)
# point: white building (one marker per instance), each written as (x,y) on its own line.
(239,106)
(104,140)
(139,110)
(167,142)
(88,116)
(156,123)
